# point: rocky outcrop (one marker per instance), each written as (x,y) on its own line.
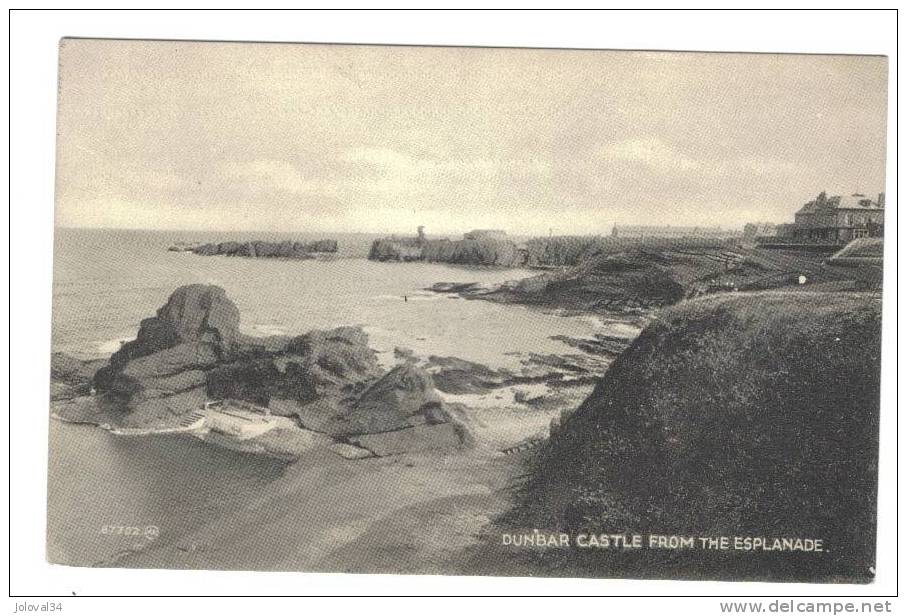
(458,376)
(314,378)
(641,276)
(402,412)
(402,398)
(486,251)
(194,314)
(333,359)
(635,280)
(328,381)
(161,374)
(481,247)
(71,377)
(393,249)
(260,249)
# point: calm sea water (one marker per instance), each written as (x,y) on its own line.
(105,282)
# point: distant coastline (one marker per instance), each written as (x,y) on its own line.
(286,249)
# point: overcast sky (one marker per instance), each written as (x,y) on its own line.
(218,136)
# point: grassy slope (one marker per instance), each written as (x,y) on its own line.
(731,415)
(654,277)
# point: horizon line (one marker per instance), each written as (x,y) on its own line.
(606,231)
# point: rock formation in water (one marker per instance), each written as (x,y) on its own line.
(71,377)
(313,377)
(162,373)
(480,247)
(403,398)
(328,381)
(260,249)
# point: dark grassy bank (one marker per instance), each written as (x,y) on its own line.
(735,415)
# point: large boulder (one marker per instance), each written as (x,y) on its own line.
(161,374)
(453,375)
(314,377)
(194,314)
(401,413)
(329,361)
(402,398)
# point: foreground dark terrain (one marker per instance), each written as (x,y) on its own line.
(745,415)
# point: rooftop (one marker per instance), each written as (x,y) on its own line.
(856,201)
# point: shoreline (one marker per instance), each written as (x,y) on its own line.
(425,510)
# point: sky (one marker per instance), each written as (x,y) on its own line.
(335,138)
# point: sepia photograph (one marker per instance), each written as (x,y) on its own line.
(368,306)
(467,311)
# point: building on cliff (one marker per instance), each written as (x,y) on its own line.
(840,219)
(831,221)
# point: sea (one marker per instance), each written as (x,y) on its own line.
(108,494)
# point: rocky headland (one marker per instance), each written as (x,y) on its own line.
(485,247)
(639,280)
(479,247)
(260,249)
(322,388)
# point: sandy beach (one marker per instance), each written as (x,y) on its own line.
(404,514)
